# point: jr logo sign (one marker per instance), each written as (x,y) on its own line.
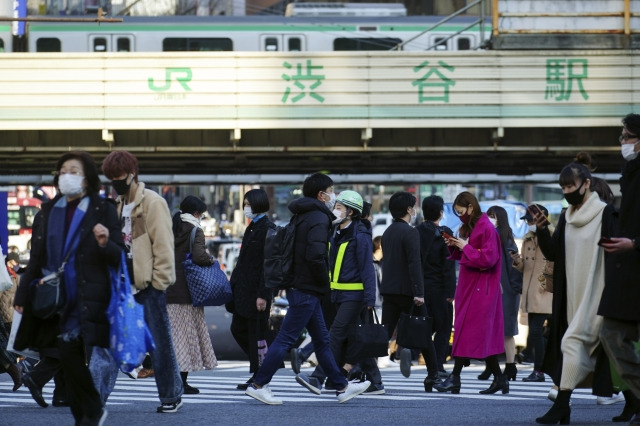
(181,75)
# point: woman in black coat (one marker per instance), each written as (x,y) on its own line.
(251,299)
(84,226)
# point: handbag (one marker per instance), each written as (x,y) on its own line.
(546,278)
(129,335)
(414,332)
(208,285)
(48,293)
(368,338)
(261,343)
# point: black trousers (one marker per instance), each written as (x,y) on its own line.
(246,333)
(536,338)
(442,313)
(49,367)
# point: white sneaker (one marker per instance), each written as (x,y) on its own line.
(603,400)
(384,362)
(263,395)
(353,390)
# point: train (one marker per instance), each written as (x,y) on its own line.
(251,34)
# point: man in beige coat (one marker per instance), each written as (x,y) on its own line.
(535,301)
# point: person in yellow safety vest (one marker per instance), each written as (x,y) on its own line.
(353,285)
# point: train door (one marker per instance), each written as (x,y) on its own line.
(111,43)
(282,42)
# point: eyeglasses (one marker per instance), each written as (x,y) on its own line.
(627,136)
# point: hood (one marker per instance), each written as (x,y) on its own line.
(308,204)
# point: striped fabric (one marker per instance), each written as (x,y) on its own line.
(191,341)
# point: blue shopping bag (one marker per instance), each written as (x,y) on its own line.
(129,337)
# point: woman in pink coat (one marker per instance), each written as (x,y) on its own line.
(479,326)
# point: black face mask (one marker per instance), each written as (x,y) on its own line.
(121,186)
(575,198)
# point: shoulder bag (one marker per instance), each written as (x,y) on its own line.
(48,293)
(414,331)
(368,338)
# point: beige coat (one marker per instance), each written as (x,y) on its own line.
(152,240)
(534,298)
(6,300)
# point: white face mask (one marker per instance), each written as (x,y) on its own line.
(248,213)
(414,214)
(332,200)
(628,152)
(532,228)
(70,184)
(494,221)
(338,214)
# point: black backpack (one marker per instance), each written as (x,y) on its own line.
(279,247)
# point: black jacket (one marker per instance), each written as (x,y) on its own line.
(247,279)
(439,272)
(621,295)
(401,269)
(311,259)
(92,274)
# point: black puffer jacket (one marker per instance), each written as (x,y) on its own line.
(311,258)
(92,275)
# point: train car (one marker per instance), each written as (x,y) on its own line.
(5,37)
(254,33)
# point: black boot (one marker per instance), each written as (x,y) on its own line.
(485,374)
(499,383)
(631,407)
(510,370)
(559,412)
(430,381)
(16,374)
(451,384)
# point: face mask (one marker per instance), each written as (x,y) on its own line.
(338,214)
(121,186)
(248,213)
(414,215)
(494,221)
(332,200)
(575,198)
(465,218)
(628,151)
(531,228)
(70,184)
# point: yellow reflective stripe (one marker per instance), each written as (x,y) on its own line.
(347,286)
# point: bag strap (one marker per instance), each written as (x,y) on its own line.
(192,238)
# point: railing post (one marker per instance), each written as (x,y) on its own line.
(627,17)
(494,18)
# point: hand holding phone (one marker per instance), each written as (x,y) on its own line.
(535,211)
(446,235)
(605,240)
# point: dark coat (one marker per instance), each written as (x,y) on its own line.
(621,295)
(247,279)
(311,259)
(511,283)
(92,274)
(553,248)
(178,293)
(439,272)
(401,269)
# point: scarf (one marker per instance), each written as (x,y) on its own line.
(58,245)
(189,218)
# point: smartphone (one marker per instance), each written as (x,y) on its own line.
(605,240)
(446,236)
(534,210)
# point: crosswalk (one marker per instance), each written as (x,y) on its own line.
(219,387)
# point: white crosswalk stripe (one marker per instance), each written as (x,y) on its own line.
(219,387)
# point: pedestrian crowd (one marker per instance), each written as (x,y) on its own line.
(575,283)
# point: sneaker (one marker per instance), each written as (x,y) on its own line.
(603,400)
(311,383)
(263,394)
(296,359)
(405,362)
(375,389)
(352,390)
(170,407)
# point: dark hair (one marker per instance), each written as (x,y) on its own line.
(88,166)
(119,163)
(190,205)
(504,229)
(366,209)
(377,243)
(632,123)
(574,173)
(315,183)
(258,200)
(466,199)
(584,158)
(399,203)
(602,188)
(432,206)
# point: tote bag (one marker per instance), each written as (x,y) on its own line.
(414,331)
(368,338)
(129,336)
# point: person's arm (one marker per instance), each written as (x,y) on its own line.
(199,253)
(487,253)
(364,249)
(411,247)
(159,225)
(316,252)
(550,243)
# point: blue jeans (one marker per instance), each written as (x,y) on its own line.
(304,311)
(104,372)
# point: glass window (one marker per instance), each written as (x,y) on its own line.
(442,46)
(197,45)
(271,44)
(123,44)
(464,43)
(1,45)
(365,43)
(99,44)
(46,44)
(295,44)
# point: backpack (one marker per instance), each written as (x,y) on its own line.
(279,247)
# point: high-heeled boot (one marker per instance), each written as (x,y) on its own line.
(451,384)
(499,383)
(430,381)
(510,370)
(485,374)
(16,374)
(631,407)
(559,412)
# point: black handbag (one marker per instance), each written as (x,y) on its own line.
(414,332)
(368,339)
(48,293)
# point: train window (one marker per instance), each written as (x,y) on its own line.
(442,46)
(295,44)
(365,43)
(1,45)
(123,44)
(197,45)
(48,44)
(464,43)
(99,44)
(271,44)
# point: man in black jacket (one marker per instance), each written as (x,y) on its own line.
(621,294)
(313,218)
